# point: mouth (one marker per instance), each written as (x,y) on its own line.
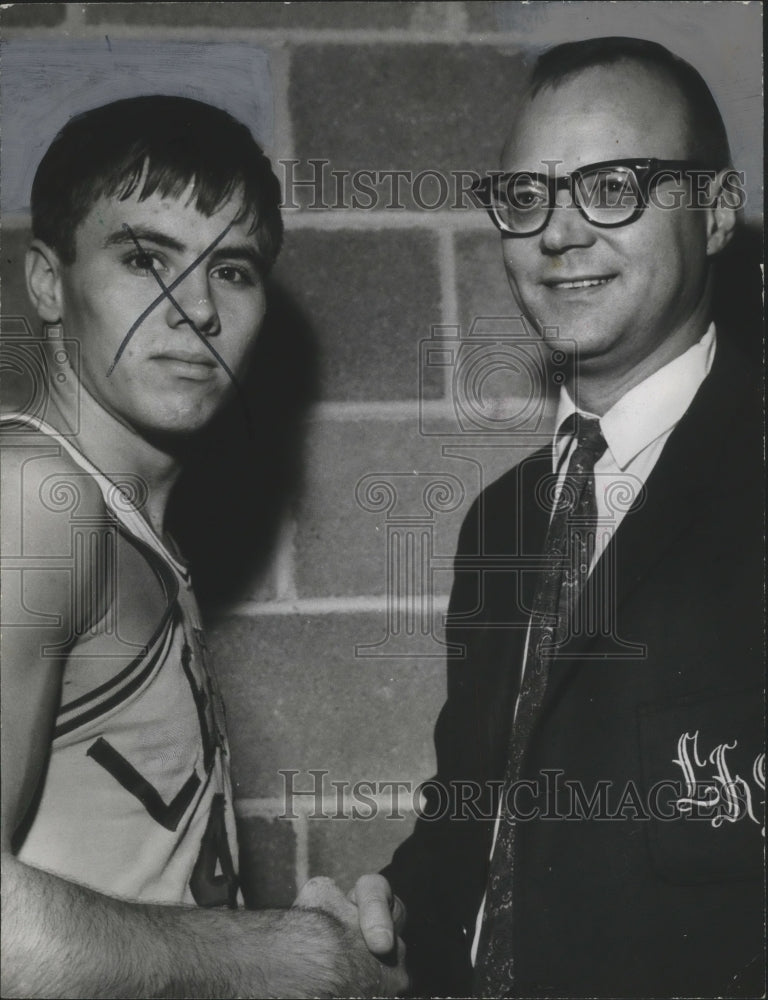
(187,364)
(578,284)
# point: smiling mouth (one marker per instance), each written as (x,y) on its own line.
(576,284)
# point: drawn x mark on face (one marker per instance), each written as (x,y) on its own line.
(166,294)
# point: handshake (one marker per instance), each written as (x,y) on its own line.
(365,955)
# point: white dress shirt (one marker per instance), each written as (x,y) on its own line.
(636,428)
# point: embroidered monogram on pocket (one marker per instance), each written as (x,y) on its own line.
(703,759)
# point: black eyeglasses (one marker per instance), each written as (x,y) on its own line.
(608,194)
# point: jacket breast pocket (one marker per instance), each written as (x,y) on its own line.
(703,760)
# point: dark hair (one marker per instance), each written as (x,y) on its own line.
(707,130)
(154,144)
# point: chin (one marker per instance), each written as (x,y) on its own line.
(178,442)
(584,336)
(179,426)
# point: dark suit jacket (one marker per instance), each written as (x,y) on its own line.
(611,899)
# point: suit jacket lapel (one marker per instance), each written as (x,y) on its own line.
(695,454)
(511,542)
(699,449)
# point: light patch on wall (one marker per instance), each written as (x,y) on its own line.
(45,83)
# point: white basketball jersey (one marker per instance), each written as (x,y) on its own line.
(136,800)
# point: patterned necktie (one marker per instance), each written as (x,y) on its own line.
(569,548)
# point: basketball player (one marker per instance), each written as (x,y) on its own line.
(155,223)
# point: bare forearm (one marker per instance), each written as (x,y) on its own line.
(63,940)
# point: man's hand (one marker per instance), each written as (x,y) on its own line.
(371,918)
(381,914)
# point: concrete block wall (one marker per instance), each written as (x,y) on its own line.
(327,635)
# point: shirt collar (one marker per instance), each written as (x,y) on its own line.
(650,408)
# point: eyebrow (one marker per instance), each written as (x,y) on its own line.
(128,237)
(244,252)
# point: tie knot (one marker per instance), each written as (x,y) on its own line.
(589,438)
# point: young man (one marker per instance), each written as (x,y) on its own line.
(155,222)
(602,744)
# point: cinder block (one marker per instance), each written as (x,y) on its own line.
(481,281)
(346,849)
(367,298)
(363,479)
(406,107)
(267,861)
(298,698)
(485,15)
(256,15)
(15,299)
(431,15)
(33,15)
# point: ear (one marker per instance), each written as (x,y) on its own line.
(721,216)
(43,271)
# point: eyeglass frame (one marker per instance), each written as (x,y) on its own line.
(645,170)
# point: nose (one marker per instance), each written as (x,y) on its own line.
(194,304)
(567,228)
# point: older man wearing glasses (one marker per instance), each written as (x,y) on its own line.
(601,767)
